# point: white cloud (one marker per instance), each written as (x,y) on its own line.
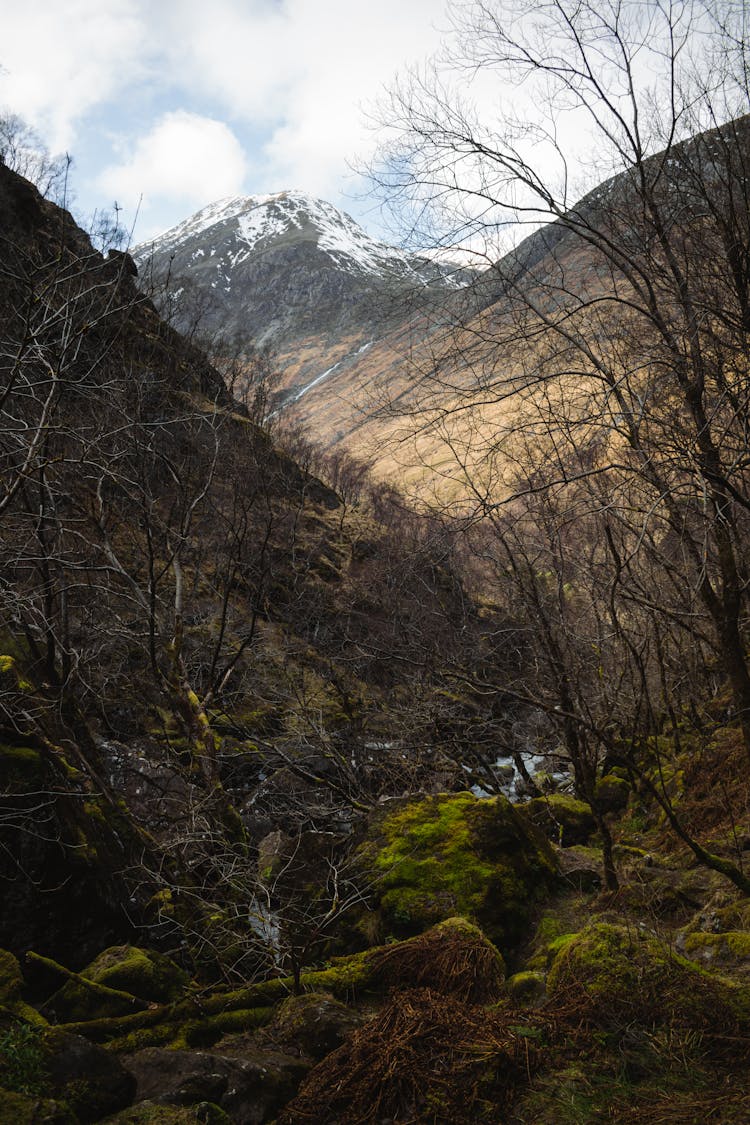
(59,60)
(185,160)
(287,77)
(302,71)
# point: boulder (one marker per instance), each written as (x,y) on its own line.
(526,987)
(562,818)
(314,1024)
(142,973)
(728,951)
(450,855)
(91,1080)
(580,866)
(620,976)
(612,793)
(251,1088)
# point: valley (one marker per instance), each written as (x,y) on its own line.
(374,638)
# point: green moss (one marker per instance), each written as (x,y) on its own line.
(343,977)
(525,987)
(144,974)
(612,793)
(11,982)
(94,812)
(549,927)
(559,943)
(236,1011)
(457,855)
(20,765)
(11,978)
(162,902)
(562,818)
(30,1015)
(20,1109)
(546,953)
(206,1031)
(731,948)
(9,669)
(621,976)
(621,853)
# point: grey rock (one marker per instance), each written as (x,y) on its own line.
(250,1087)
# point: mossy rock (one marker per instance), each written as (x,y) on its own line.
(562,818)
(526,987)
(619,976)
(729,950)
(453,855)
(249,1083)
(314,1023)
(546,953)
(720,916)
(149,1113)
(20,766)
(20,1109)
(142,973)
(88,1078)
(581,866)
(612,793)
(11,978)
(11,983)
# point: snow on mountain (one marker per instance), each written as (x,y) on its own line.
(296,274)
(242,224)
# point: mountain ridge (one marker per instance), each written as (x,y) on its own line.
(294,273)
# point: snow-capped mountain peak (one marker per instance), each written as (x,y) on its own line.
(244,224)
(293,272)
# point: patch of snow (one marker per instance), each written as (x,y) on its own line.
(262,222)
(259,218)
(319,378)
(217,212)
(314,383)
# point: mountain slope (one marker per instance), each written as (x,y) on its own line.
(293,272)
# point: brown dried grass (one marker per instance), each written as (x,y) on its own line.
(425,1059)
(713,1107)
(454,958)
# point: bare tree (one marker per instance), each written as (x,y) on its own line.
(641,350)
(23,151)
(594,397)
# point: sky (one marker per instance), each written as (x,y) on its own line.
(167,105)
